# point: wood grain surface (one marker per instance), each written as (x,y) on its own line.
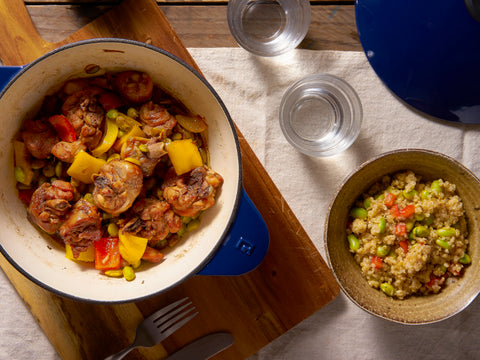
(291,284)
(332,25)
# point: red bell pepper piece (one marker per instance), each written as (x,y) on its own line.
(404,245)
(25,196)
(401,229)
(395,211)
(63,127)
(107,256)
(377,262)
(152,255)
(389,199)
(110,101)
(407,211)
(435,281)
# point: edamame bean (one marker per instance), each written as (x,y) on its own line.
(443,243)
(49,170)
(382,225)
(428,220)
(419,217)
(466,259)
(89,197)
(132,112)
(446,232)
(182,230)
(192,225)
(19,174)
(387,288)
(59,169)
(177,136)
(353,242)
(128,273)
(382,250)
(112,229)
(359,213)
(425,194)
(436,187)
(114,273)
(367,202)
(410,224)
(420,231)
(112,114)
(409,194)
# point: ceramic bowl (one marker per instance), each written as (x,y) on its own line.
(415,309)
(43,260)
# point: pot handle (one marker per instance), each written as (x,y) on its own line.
(245,245)
(7,73)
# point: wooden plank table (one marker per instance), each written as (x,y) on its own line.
(256,307)
(199,24)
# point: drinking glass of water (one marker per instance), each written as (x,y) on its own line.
(268,27)
(320,115)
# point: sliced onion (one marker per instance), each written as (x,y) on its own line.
(194,124)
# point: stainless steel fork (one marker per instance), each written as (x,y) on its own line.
(159,326)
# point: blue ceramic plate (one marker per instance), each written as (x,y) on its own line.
(426,52)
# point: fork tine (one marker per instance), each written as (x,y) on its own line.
(178,325)
(166,309)
(164,318)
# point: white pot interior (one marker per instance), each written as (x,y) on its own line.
(41,258)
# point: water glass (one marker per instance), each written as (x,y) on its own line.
(268,27)
(320,115)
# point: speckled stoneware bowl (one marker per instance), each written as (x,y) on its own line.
(417,309)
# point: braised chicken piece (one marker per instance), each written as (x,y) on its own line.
(40,144)
(90,136)
(82,108)
(155,222)
(82,227)
(192,192)
(50,204)
(66,151)
(117,185)
(148,152)
(135,87)
(156,117)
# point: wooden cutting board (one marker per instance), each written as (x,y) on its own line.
(292,283)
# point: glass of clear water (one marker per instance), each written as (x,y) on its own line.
(320,115)
(268,27)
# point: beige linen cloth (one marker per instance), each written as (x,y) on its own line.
(251,88)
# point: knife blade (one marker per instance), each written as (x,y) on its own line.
(203,348)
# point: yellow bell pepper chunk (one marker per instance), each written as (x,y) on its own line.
(184,155)
(109,137)
(135,131)
(86,256)
(84,166)
(131,247)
